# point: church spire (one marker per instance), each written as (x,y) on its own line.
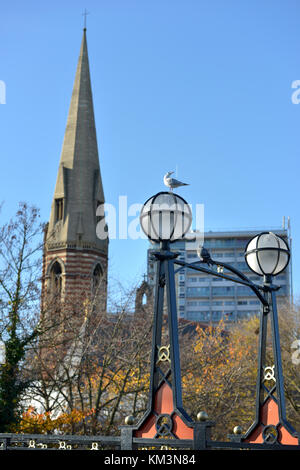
(75,260)
(79,187)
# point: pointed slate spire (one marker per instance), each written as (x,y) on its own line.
(79,183)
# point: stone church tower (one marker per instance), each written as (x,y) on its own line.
(75,259)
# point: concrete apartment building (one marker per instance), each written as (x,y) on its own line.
(205,298)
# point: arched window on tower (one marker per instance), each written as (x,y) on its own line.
(59,209)
(56,279)
(97,275)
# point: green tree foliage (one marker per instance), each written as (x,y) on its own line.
(20,248)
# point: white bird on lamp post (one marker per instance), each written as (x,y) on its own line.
(172,182)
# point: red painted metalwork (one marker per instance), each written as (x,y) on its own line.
(164,405)
(269,416)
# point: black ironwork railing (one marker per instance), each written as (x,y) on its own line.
(72,442)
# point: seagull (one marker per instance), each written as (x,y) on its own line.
(172,182)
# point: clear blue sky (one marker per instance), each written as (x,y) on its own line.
(204,85)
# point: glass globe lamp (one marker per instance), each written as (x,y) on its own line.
(165,217)
(267,254)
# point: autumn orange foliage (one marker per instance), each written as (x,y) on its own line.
(33,422)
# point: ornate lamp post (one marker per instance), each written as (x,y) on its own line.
(267,255)
(166,218)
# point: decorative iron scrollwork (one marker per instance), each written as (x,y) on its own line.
(270,434)
(31,444)
(63,446)
(269,373)
(42,446)
(164,424)
(163,354)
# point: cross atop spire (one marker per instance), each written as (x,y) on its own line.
(85,13)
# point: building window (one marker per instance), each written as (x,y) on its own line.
(97,274)
(241,266)
(228,315)
(59,207)
(56,279)
(217,255)
(219,242)
(198,316)
(203,279)
(197,291)
(244,290)
(216,315)
(228,290)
